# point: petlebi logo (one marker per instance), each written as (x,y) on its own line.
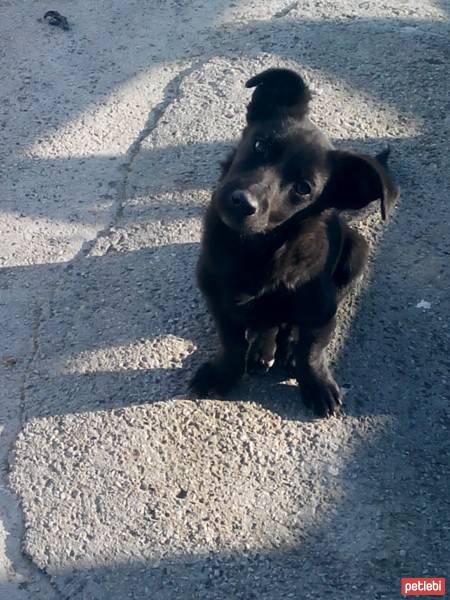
(422,586)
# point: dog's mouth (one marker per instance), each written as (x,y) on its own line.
(241,211)
(243,225)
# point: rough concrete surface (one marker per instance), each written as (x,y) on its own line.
(113,484)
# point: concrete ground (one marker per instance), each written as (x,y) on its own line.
(113,485)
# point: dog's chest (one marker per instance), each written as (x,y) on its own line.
(267,286)
(256,272)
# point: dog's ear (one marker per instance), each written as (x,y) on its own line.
(278,93)
(358,179)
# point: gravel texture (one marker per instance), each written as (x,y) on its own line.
(113,484)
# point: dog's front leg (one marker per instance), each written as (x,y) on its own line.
(263,346)
(222,372)
(318,387)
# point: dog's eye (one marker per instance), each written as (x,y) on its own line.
(260,147)
(302,188)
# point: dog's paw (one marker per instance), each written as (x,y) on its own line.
(285,359)
(259,363)
(323,396)
(286,345)
(261,356)
(211,377)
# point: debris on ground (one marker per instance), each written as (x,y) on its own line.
(53,17)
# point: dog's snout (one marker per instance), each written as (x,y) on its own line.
(243,202)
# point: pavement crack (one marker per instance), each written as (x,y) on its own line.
(285,11)
(35,326)
(10,507)
(172,92)
(21,561)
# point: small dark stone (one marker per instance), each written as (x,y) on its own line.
(53,17)
(182,494)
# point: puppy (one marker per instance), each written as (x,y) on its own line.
(276,257)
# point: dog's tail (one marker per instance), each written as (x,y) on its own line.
(383,156)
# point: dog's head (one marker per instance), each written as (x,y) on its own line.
(285,166)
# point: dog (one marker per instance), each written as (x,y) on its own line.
(276,256)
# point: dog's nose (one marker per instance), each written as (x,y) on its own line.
(243,202)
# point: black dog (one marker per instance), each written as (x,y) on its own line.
(276,257)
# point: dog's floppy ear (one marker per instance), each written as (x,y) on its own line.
(278,93)
(358,179)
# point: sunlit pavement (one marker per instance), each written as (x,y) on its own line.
(114,484)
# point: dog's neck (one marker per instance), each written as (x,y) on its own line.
(289,229)
(265,243)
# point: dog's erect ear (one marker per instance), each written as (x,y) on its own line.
(358,179)
(278,93)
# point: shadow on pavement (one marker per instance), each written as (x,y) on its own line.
(392,518)
(404,76)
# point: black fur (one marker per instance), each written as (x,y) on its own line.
(276,256)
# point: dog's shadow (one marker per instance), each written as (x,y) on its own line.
(131,328)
